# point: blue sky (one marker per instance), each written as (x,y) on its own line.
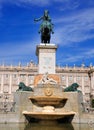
(73,30)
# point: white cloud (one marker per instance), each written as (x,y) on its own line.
(34,2)
(64,4)
(84,54)
(77,27)
(74,28)
(18,52)
(70,29)
(69,3)
(17,49)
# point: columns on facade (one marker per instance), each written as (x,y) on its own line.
(10,84)
(74,79)
(92,82)
(83,85)
(18,78)
(2,83)
(67,81)
(27,79)
(91,76)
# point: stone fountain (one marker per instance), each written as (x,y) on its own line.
(48,101)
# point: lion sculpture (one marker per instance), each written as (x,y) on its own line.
(23,87)
(72,88)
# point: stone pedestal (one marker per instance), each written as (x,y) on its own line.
(46,58)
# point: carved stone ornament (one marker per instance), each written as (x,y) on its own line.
(48,92)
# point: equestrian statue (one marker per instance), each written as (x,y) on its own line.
(46,27)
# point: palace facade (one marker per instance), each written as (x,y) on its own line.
(10,76)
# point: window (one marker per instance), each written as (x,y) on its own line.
(86,78)
(22,75)
(6,75)
(63,77)
(14,76)
(6,88)
(78,78)
(70,77)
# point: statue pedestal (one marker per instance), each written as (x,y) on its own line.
(46,58)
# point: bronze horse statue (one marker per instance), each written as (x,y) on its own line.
(46,27)
(46,30)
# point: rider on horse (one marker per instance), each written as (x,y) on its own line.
(46,22)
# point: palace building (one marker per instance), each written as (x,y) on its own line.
(11,76)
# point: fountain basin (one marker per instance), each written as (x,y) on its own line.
(47,115)
(51,101)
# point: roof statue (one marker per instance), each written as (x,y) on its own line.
(46,27)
